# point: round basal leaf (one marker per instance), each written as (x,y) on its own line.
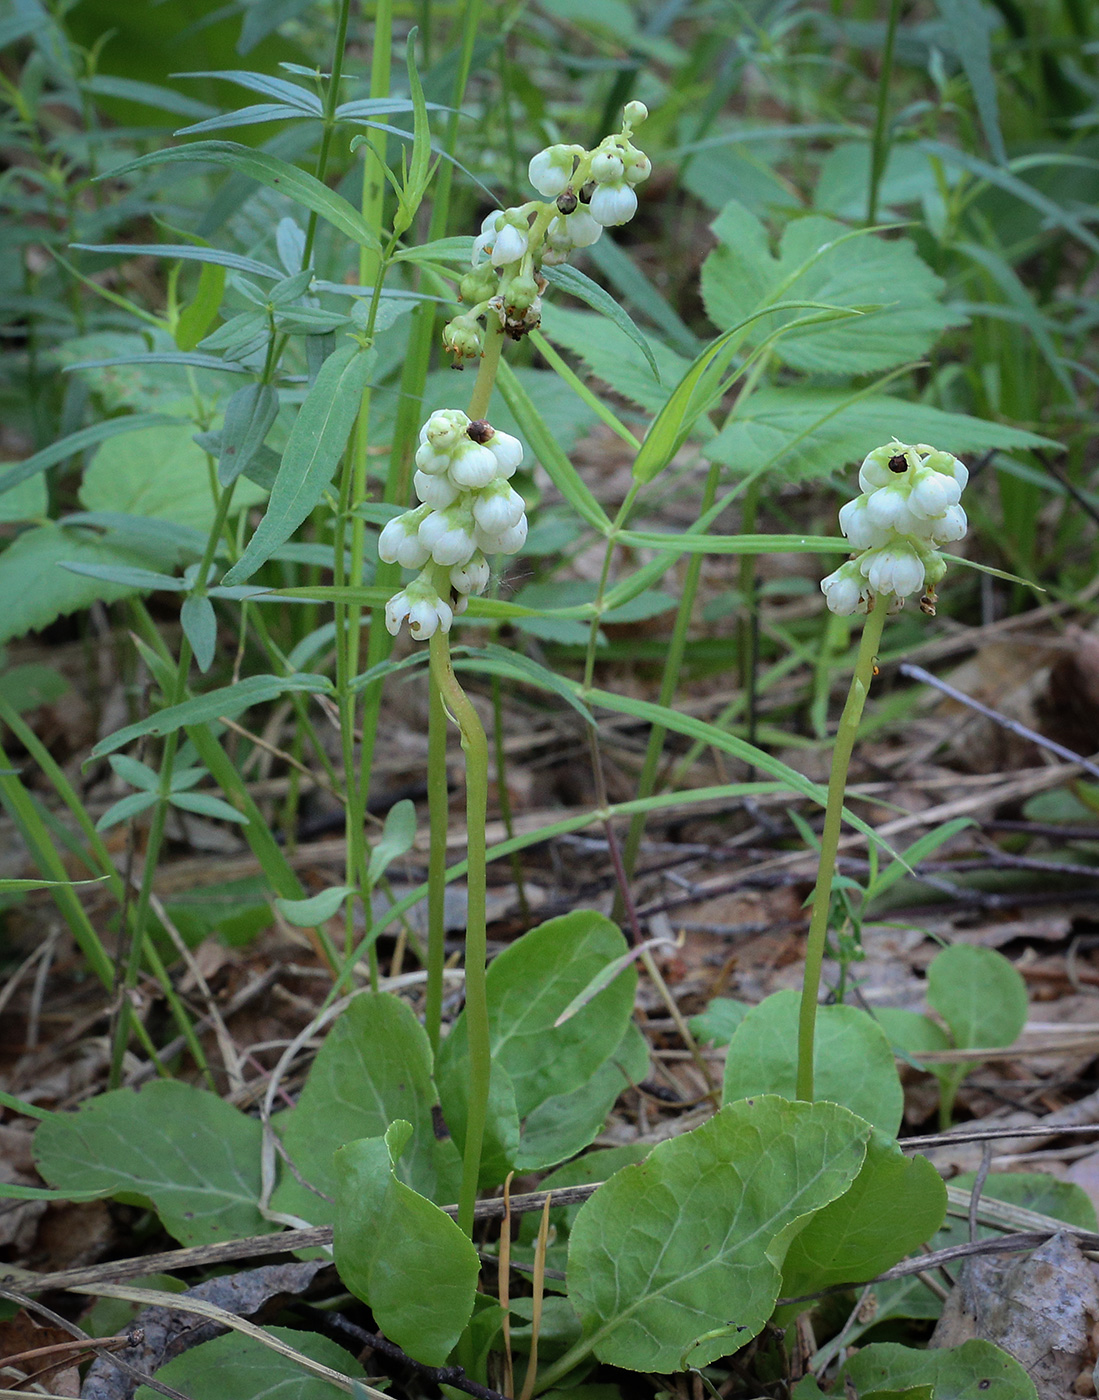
(676,1261)
(235,1367)
(190,1155)
(894,1205)
(979,994)
(410,1263)
(373,1068)
(976,1370)
(531,982)
(853,1064)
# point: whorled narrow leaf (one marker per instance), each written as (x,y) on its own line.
(269,170)
(316,443)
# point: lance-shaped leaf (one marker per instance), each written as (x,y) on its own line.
(317,441)
(248,418)
(399,1253)
(276,174)
(677,1261)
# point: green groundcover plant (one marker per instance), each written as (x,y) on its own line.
(252,448)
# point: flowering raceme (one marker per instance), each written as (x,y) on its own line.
(910,504)
(583,193)
(468,511)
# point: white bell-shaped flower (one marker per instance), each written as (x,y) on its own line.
(448,534)
(613,204)
(509,245)
(932,494)
(483,243)
(895,569)
(426,612)
(844,589)
(399,541)
(472,466)
(472,576)
(856,524)
(508,452)
(950,526)
(438,492)
(497,508)
(551,170)
(508,541)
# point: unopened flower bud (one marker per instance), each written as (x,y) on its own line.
(635,113)
(638,167)
(478,284)
(462,338)
(607,167)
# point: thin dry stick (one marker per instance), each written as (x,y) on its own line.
(917,673)
(537,1287)
(199,1307)
(33,1305)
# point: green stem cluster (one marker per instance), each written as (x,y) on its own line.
(830,840)
(475,746)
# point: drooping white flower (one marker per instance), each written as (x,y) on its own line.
(950,526)
(472,576)
(613,204)
(426,612)
(895,569)
(472,466)
(509,245)
(932,494)
(856,524)
(844,589)
(569,231)
(448,534)
(551,170)
(399,541)
(435,491)
(497,508)
(508,452)
(509,541)
(483,243)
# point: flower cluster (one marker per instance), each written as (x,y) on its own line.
(584,192)
(467,511)
(909,505)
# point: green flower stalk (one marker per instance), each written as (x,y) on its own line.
(909,505)
(468,512)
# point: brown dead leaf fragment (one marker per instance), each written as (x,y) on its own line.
(25,1352)
(1041,1308)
